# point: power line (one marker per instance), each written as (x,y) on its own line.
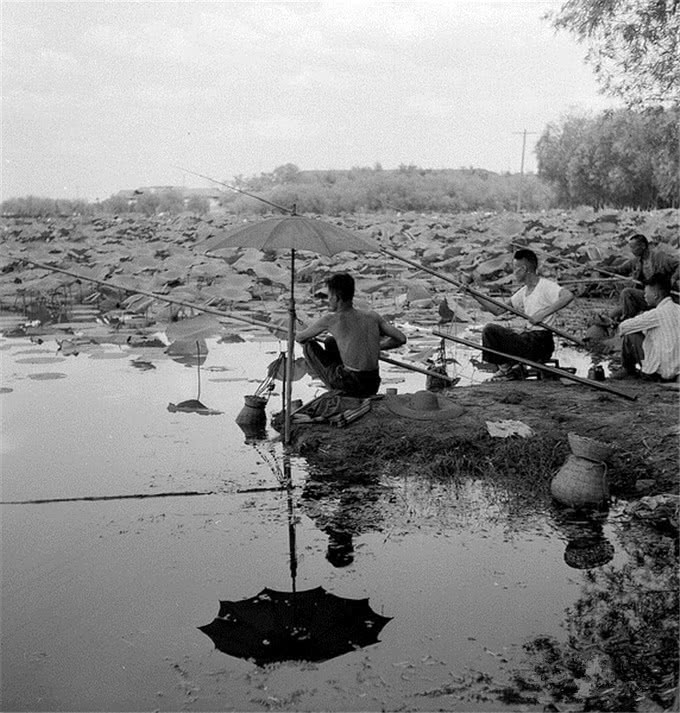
(524,134)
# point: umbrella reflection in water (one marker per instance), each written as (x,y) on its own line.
(309,625)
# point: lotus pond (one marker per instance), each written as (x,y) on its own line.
(143,520)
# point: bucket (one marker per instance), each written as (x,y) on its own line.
(253,413)
(581,483)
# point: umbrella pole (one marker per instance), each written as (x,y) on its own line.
(292,547)
(198,366)
(291,349)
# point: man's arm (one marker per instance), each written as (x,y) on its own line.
(487,305)
(639,323)
(318,327)
(564,297)
(668,264)
(390,336)
(623,268)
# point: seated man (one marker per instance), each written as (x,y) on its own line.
(646,261)
(348,360)
(652,338)
(539,299)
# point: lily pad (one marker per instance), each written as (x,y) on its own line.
(40,360)
(193,328)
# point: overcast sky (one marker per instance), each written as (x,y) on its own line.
(100,96)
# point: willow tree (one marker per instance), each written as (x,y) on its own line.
(633,46)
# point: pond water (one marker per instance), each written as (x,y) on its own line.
(102,596)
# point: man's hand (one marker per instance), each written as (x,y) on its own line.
(539,316)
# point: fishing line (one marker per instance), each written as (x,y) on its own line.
(239,190)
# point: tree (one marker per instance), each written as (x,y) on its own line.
(633,46)
(198,204)
(288,173)
(620,158)
(555,148)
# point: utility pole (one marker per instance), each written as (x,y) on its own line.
(521,170)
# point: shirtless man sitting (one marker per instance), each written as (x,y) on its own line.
(348,359)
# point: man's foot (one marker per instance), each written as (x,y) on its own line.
(621,374)
(507,372)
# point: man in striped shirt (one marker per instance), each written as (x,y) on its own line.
(652,338)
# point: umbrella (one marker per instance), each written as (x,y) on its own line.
(293,232)
(309,625)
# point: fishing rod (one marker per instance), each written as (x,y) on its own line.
(475,293)
(238,190)
(153,295)
(209,310)
(541,367)
(613,276)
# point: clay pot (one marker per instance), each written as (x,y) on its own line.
(581,483)
(253,413)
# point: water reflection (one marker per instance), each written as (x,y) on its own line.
(587,547)
(191,352)
(310,625)
(343,508)
(254,432)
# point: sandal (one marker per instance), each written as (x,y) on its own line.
(514,373)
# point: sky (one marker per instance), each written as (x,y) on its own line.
(103,96)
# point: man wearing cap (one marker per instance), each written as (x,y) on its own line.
(539,298)
(348,359)
(646,261)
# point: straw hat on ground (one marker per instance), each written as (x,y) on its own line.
(423,406)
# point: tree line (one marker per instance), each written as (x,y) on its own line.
(618,159)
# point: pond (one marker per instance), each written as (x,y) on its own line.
(150,518)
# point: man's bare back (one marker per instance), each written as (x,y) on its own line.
(358,336)
(348,359)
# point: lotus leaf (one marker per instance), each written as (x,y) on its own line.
(271,271)
(495,264)
(192,328)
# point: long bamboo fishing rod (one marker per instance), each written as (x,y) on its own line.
(541,367)
(419,369)
(502,305)
(613,276)
(238,190)
(209,310)
(475,293)
(137,291)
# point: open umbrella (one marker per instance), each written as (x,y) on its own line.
(310,625)
(292,232)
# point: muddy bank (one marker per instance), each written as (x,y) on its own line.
(643,434)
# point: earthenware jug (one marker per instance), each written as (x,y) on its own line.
(581,483)
(253,412)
